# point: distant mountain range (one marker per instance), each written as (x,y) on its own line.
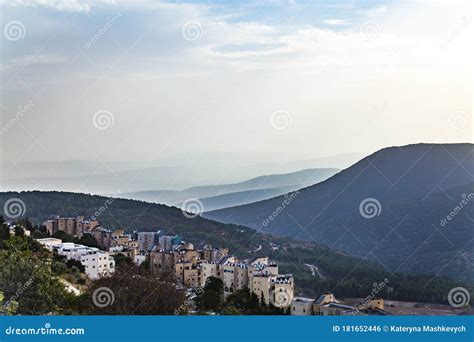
(226,195)
(391,206)
(175,173)
(239,198)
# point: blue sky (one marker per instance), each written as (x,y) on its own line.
(266,76)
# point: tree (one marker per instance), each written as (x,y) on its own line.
(132,293)
(24,222)
(214,284)
(122,262)
(211,296)
(88,240)
(8,308)
(4,232)
(19,231)
(243,299)
(28,280)
(247,303)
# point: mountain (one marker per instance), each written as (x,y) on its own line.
(248,191)
(241,197)
(346,276)
(409,189)
(105,177)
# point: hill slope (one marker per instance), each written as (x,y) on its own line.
(416,186)
(338,270)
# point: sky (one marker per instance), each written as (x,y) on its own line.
(138,80)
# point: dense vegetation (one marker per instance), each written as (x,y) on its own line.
(32,282)
(344,275)
(411,190)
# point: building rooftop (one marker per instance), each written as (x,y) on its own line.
(303,299)
(49,239)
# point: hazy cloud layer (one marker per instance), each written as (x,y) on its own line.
(187,77)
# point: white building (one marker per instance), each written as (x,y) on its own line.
(50,243)
(73,251)
(301,306)
(139,258)
(98,264)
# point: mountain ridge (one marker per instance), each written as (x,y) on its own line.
(291,181)
(328,212)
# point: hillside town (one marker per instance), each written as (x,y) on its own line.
(171,256)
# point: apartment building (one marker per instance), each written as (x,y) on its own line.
(103,237)
(75,226)
(165,243)
(213,254)
(98,264)
(148,240)
(161,262)
(327,305)
(50,243)
(258,275)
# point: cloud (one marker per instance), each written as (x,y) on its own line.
(252,62)
(374,11)
(40,59)
(336,22)
(60,5)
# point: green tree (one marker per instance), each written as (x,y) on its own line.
(131,293)
(8,308)
(19,231)
(4,232)
(211,296)
(25,222)
(122,262)
(27,279)
(243,299)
